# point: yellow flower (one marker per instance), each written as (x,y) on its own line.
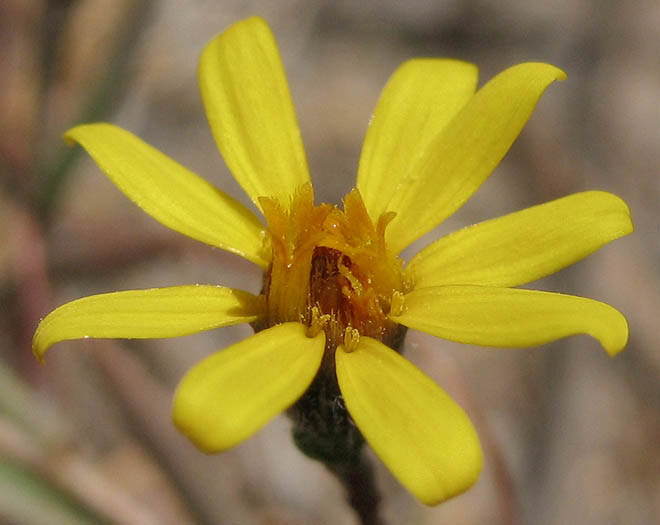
(335,294)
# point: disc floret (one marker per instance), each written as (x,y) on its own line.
(331,269)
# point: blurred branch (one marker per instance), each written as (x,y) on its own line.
(38,440)
(53,21)
(53,172)
(145,404)
(18,403)
(27,498)
(505,491)
(69,472)
(33,293)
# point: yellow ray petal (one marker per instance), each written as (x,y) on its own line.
(418,101)
(250,111)
(523,246)
(424,438)
(170,193)
(459,159)
(510,317)
(146,314)
(231,394)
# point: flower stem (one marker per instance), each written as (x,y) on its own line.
(358,480)
(324,431)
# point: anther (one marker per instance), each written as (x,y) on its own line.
(355,283)
(351,339)
(317,322)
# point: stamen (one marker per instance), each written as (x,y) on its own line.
(317,323)
(354,281)
(397,304)
(351,339)
(266,248)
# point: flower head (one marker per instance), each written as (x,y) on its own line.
(336,298)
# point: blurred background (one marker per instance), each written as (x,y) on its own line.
(570,435)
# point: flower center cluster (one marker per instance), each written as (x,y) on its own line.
(331,269)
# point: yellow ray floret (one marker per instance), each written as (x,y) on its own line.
(250,112)
(146,314)
(523,246)
(466,151)
(416,429)
(231,394)
(419,100)
(172,194)
(510,317)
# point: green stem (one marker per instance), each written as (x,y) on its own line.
(324,431)
(358,481)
